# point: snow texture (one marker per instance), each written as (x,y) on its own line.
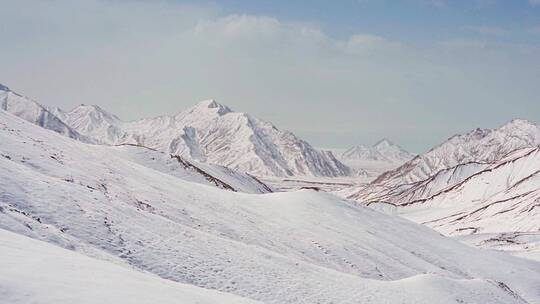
(297,247)
(485,183)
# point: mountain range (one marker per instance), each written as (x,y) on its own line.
(77,217)
(374,160)
(208,132)
(482,186)
(384,151)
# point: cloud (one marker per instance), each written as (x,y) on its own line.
(534,2)
(361,43)
(264,32)
(235,28)
(487,30)
(140,58)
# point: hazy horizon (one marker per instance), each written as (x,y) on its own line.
(336,74)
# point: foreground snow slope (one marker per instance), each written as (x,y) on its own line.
(36,272)
(300,247)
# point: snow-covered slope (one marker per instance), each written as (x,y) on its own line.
(493,190)
(379,158)
(190,170)
(299,247)
(479,145)
(92,121)
(33,112)
(36,272)
(448,163)
(500,199)
(213,133)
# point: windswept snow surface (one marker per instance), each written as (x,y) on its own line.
(299,247)
(207,132)
(37,272)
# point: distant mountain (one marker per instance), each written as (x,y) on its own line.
(450,162)
(35,113)
(384,150)
(374,160)
(144,221)
(94,120)
(479,145)
(208,132)
(485,181)
(501,197)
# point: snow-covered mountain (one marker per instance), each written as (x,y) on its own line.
(376,159)
(498,204)
(490,187)
(211,132)
(479,145)
(34,112)
(384,150)
(299,247)
(93,119)
(208,132)
(450,162)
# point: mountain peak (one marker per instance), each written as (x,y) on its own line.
(4,88)
(383,150)
(94,112)
(518,123)
(385,142)
(214,106)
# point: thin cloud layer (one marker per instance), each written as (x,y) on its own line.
(141,59)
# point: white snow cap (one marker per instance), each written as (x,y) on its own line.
(4,88)
(213,104)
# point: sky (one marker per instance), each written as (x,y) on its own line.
(336,73)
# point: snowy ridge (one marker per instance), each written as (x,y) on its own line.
(384,151)
(504,197)
(213,133)
(493,190)
(479,145)
(35,113)
(207,132)
(374,160)
(448,163)
(300,247)
(90,120)
(206,174)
